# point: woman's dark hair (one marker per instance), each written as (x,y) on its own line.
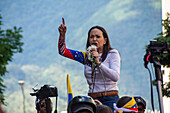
(106,46)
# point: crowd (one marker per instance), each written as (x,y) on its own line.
(86,104)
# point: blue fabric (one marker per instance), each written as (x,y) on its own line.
(78,56)
(109,100)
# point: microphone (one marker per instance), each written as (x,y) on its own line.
(92,59)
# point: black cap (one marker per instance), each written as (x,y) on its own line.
(79,103)
(140,100)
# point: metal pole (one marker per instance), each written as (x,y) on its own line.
(21,83)
(22,88)
(159,89)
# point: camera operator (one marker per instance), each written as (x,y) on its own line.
(43,102)
(44,106)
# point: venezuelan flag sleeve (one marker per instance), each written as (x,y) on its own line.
(69,53)
(69,90)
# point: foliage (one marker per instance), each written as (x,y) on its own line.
(166,90)
(10,43)
(165,57)
(165,37)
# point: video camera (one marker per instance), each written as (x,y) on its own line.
(45,91)
(156,48)
(154,51)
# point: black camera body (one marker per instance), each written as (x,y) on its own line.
(157,48)
(45,91)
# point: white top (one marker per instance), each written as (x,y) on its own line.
(111,72)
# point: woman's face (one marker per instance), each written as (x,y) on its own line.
(96,38)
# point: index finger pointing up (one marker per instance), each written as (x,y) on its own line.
(63,21)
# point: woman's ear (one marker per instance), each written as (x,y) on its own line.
(105,40)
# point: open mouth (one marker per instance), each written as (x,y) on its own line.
(94,44)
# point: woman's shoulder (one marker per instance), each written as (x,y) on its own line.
(113,51)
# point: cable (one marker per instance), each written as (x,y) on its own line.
(152,71)
(147,58)
(94,81)
(103,78)
(94,65)
(152,101)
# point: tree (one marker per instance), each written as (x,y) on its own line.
(10,43)
(165,37)
(165,57)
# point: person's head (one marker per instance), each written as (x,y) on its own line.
(126,104)
(103,109)
(44,106)
(141,104)
(81,104)
(98,36)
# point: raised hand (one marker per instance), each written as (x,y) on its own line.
(62,29)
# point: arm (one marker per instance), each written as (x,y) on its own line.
(98,102)
(113,71)
(72,54)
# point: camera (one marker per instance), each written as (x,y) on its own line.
(156,48)
(45,91)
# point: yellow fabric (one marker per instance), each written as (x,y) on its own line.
(84,53)
(69,89)
(130,103)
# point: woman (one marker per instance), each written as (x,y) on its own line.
(102,73)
